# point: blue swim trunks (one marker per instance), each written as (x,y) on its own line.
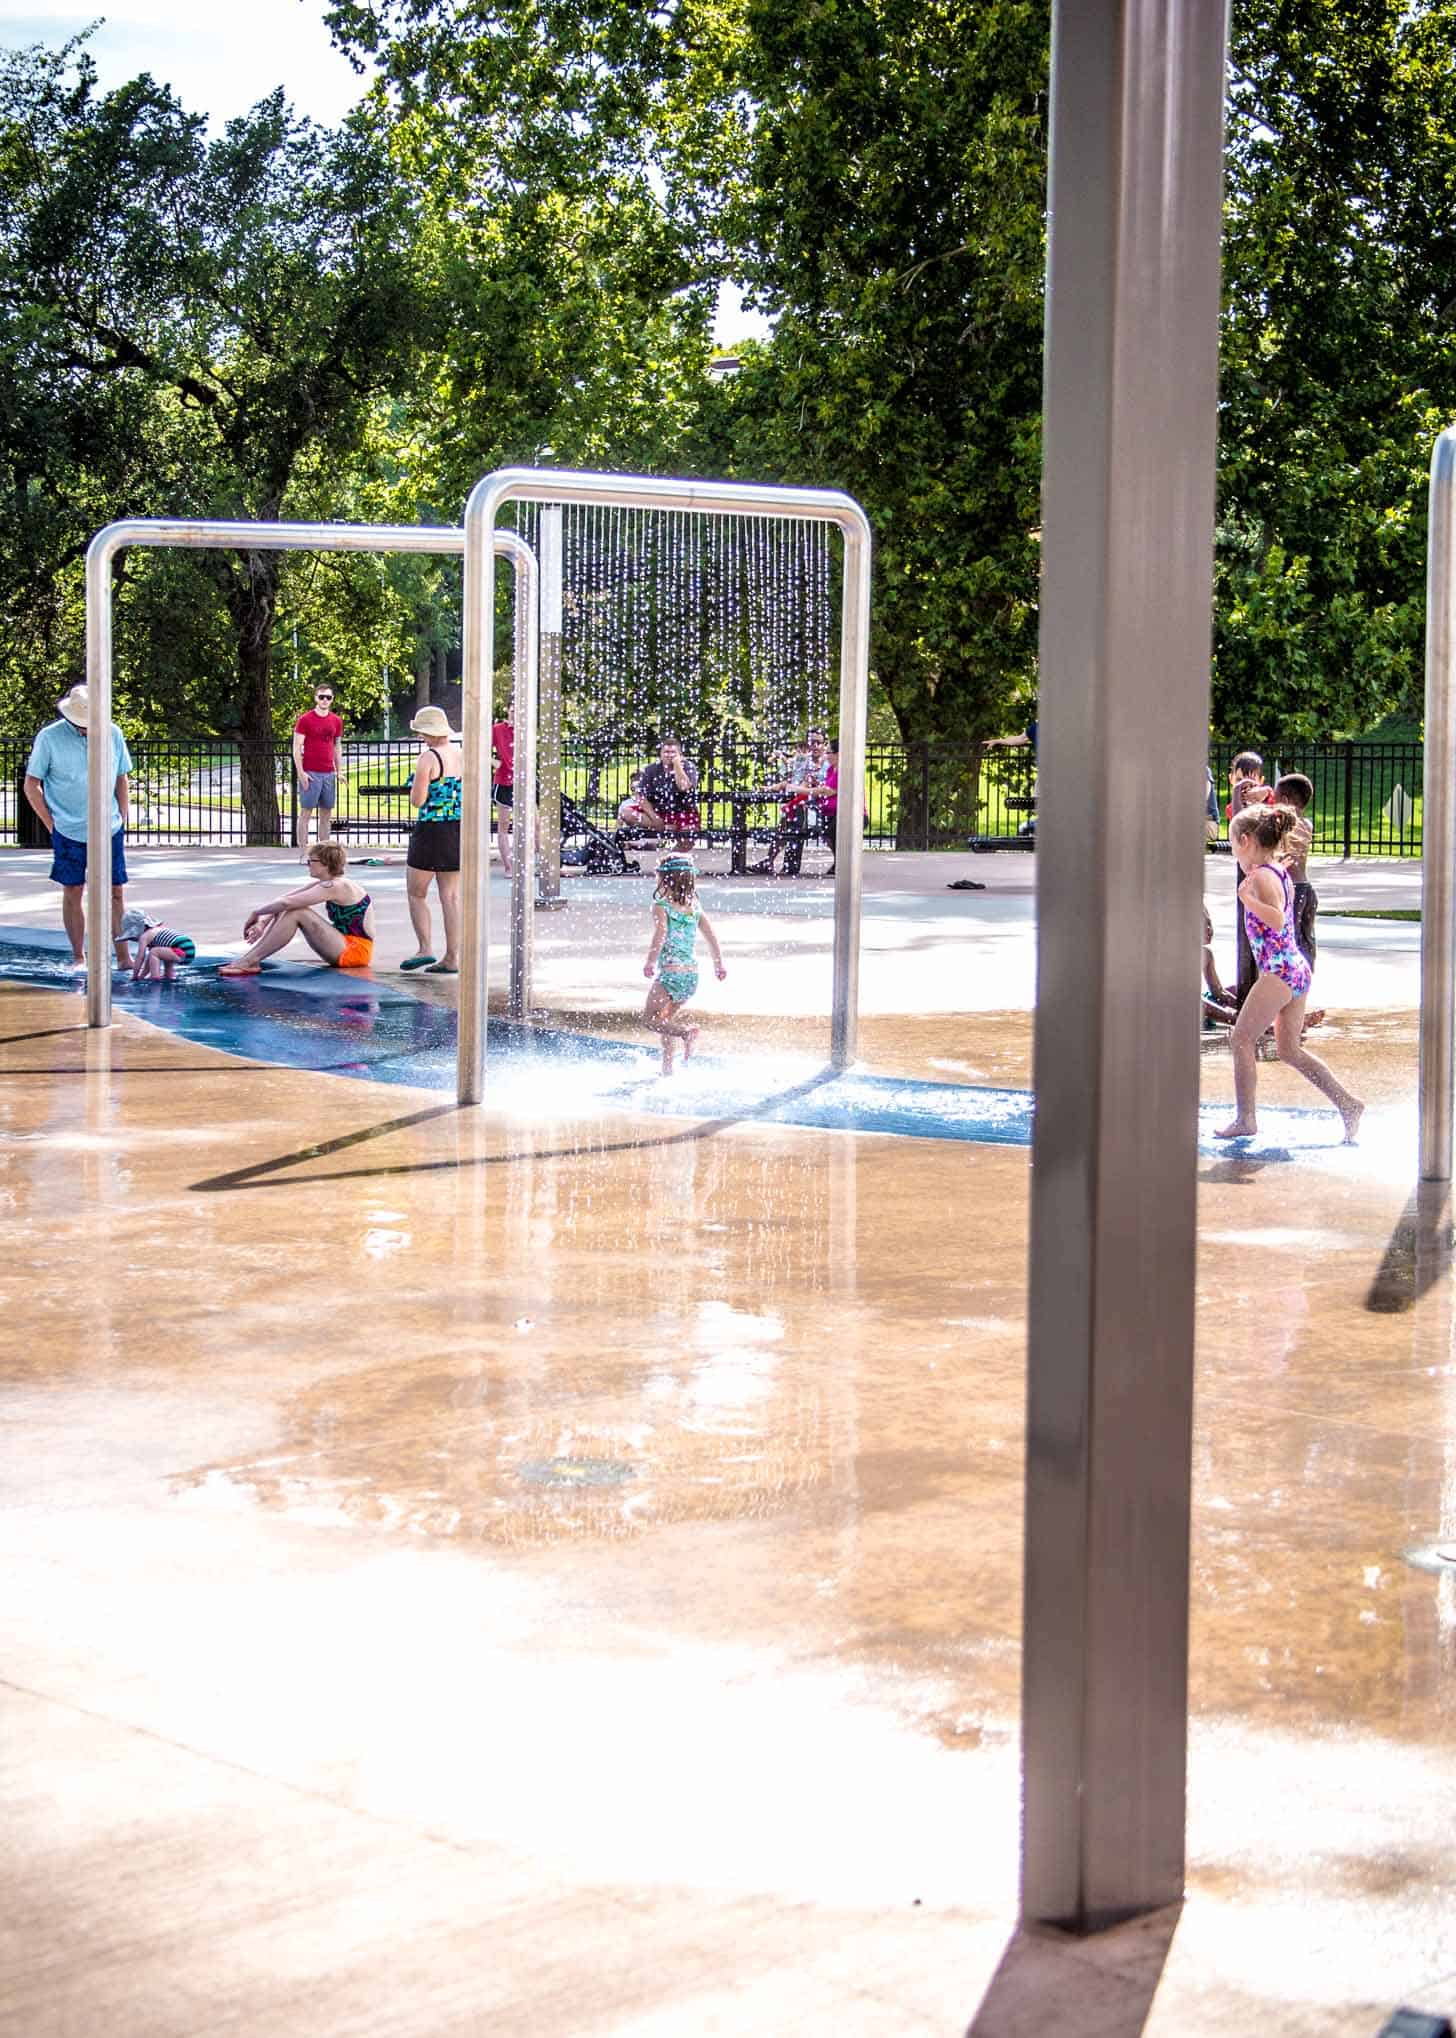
(68,859)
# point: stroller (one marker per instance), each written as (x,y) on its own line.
(593,850)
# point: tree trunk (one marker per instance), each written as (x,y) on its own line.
(424,663)
(253,606)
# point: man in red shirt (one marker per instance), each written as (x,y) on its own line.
(316,735)
(503,784)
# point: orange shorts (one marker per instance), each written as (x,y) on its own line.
(357,953)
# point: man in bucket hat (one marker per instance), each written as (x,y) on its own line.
(55,785)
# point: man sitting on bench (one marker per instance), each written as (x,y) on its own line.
(668,799)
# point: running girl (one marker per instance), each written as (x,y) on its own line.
(1266,898)
(677,921)
(343,934)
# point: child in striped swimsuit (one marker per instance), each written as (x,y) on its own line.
(1261,840)
(160,950)
(677,921)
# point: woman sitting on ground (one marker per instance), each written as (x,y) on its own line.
(343,934)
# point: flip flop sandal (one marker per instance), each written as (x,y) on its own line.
(418,962)
(245,969)
(966,884)
(440,969)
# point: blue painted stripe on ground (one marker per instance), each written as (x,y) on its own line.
(301,1015)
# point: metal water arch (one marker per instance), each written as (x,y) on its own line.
(636,491)
(213,535)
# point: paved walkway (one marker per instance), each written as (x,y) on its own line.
(925,948)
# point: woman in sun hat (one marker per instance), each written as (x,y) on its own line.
(434,844)
(56,780)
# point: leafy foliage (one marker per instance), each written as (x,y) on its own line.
(190,329)
(1339,357)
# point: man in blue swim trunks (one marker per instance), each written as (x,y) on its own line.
(55,785)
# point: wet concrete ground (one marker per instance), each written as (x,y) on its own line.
(464,1576)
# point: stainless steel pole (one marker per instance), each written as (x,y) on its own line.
(100,781)
(1438,821)
(223,534)
(477,669)
(720,498)
(525,696)
(854,688)
(548,891)
(483,545)
(1127,563)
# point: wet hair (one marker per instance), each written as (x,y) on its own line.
(810,734)
(1248,761)
(1267,825)
(1294,790)
(677,883)
(332,855)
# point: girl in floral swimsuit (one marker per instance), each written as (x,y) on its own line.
(343,934)
(677,921)
(1266,898)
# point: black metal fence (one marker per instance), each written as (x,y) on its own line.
(1367,799)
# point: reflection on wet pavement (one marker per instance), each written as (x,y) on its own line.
(603,1534)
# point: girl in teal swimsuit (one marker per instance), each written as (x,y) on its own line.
(677,921)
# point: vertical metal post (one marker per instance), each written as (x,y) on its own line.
(1350,794)
(477,667)
(525,697)
(548,890)
(854,687)
(1127,555)
(1438,821)
(100,780)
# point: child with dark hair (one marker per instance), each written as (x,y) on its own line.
(1295,790)
(1260,836)
(677,921)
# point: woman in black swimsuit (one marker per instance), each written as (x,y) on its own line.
(434,844)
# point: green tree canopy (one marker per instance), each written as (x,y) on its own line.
(1339,357)
(872,172)
(191,328)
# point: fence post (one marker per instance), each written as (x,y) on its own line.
(1349,796)
(925,790)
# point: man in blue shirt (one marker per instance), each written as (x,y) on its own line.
(55,785)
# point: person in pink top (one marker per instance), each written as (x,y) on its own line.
(316,736)
(503,787)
